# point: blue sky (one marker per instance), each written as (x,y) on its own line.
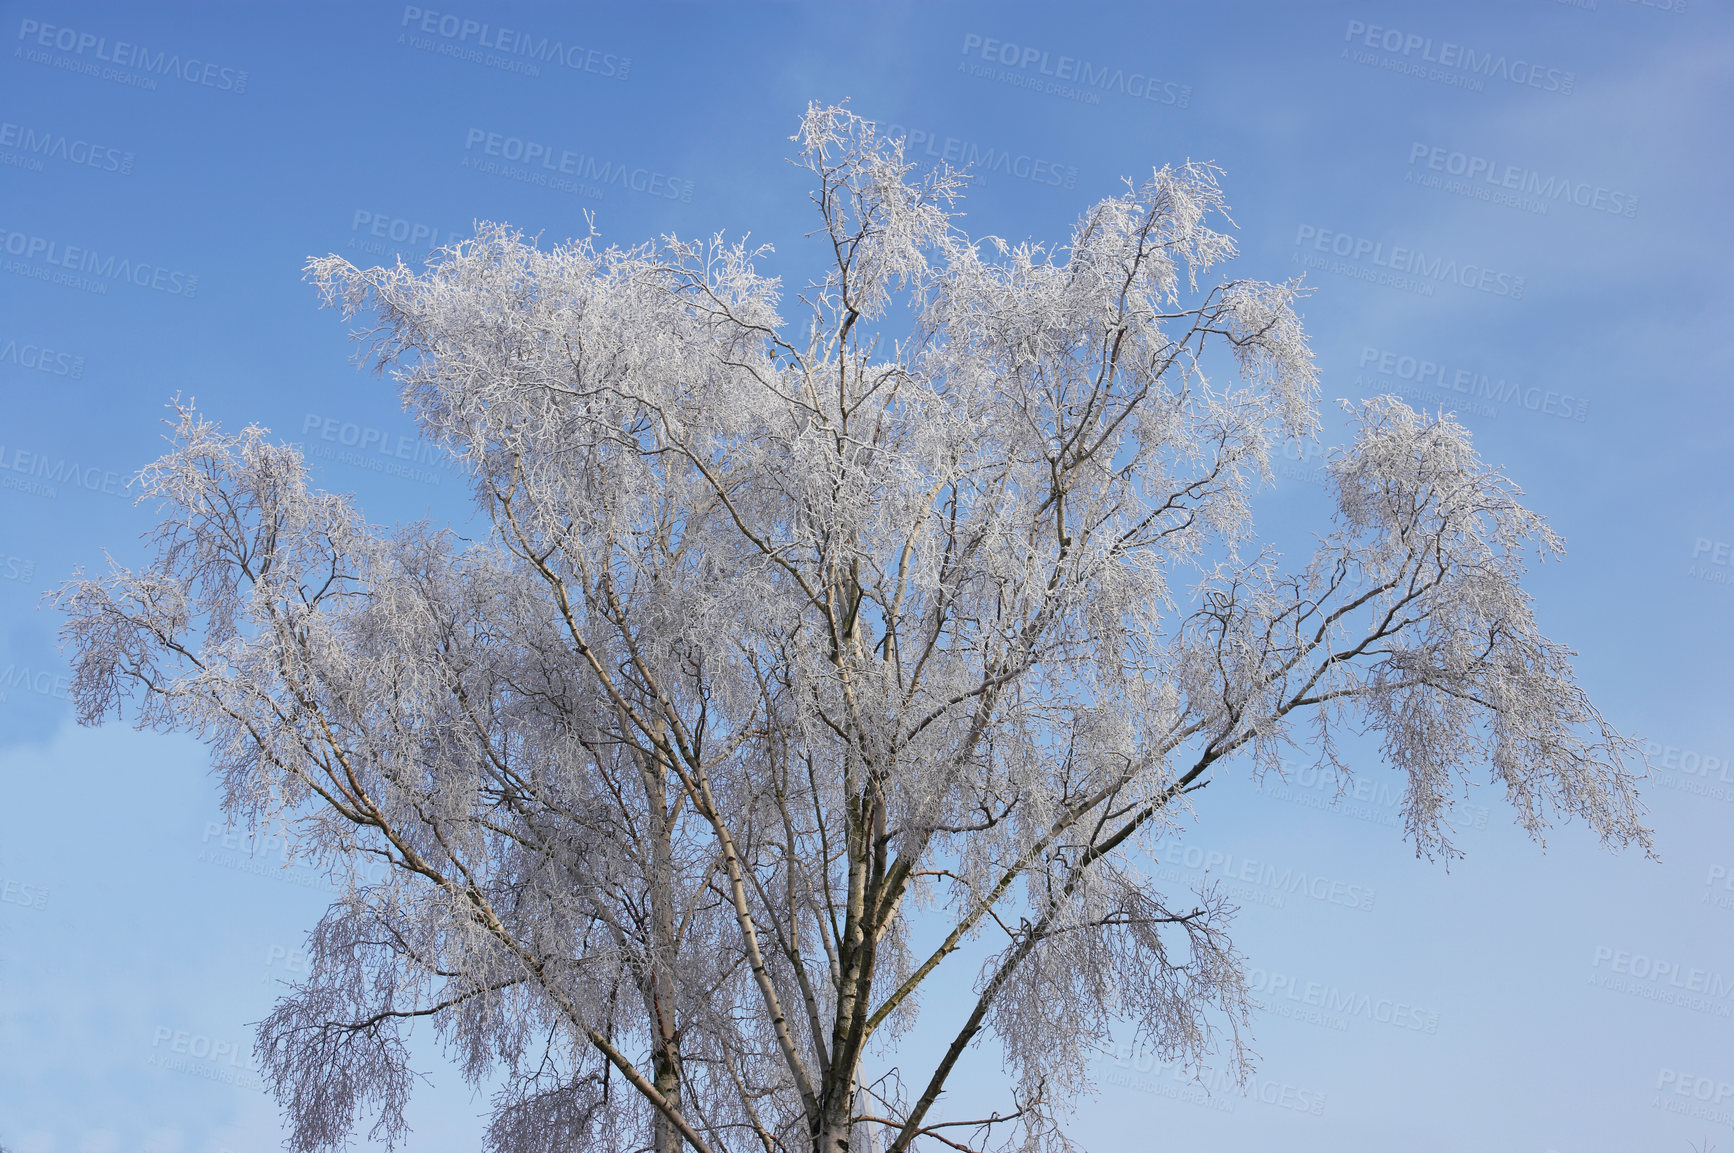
(1514,210)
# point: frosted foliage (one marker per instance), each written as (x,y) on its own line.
(803,661)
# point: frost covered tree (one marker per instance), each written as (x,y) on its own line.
(806,662)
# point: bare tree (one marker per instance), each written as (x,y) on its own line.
(801,660)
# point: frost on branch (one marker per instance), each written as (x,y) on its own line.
(1460,675)
(802,660)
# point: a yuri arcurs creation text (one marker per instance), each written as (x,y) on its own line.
(811,660)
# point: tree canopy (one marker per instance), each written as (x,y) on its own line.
(805,656)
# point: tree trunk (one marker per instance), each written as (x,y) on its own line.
(667,1070)
(661,999)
